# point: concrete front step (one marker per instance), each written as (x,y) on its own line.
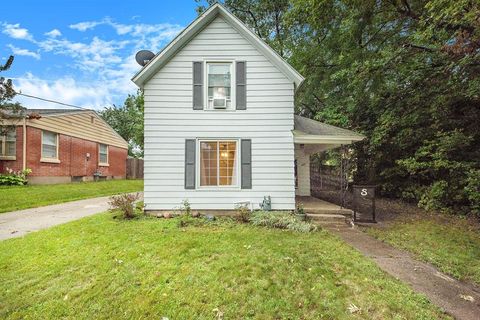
(328,217)
(333,211)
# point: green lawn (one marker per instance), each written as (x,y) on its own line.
(148,268)
(451,243)
(23,197)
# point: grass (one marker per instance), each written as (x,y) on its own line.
(102,268)
(450,243)
(23,197)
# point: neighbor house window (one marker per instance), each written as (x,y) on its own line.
(219,84)
(8,144)
(218,163)
(49,145)
(103,154)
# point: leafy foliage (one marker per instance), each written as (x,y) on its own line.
(404,73)
(280,220)
(8,110)
(14,178)
(127,120)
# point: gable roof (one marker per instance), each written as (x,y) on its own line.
(76,123)
(195,27)
(311,131)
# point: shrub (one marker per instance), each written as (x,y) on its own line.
(124,203)
(280,220)
(186,208)
(244,213)
(14,178)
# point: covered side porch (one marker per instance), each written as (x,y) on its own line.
(311,137)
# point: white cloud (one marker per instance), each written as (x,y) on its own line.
(66,90)
(16,32)
(24,52)
(53,33)
(86,25)
(106,65)
(87,56)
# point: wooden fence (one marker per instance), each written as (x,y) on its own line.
(134,168)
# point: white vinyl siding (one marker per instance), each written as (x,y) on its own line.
(267,121)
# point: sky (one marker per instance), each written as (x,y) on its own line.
(82,52)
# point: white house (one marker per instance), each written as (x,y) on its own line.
(220,127)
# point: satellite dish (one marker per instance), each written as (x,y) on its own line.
(144,56)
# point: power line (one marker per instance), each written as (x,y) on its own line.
(52,101)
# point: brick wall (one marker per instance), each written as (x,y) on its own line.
(72,155)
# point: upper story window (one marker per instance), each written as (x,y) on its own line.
(49,145)
(8,144)
(103,154)
(219,85)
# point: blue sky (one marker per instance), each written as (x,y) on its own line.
(82,52)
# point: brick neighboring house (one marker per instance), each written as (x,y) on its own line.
(62,146)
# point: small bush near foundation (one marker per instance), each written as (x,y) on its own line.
(280,220)
(14,178)
(124,204)
(244,213)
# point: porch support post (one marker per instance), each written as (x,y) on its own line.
(303,170)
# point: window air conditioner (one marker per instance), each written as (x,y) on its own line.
(220,103)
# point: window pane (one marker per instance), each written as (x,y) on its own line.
(219,84)
(219,68)
(227,163)
(10,148)
(49,151)
(103,148)
(103,158)
(49,138)
(208,163)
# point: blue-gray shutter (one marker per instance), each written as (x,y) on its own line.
(197,85)
(190,145)
(246,160)
(241,85)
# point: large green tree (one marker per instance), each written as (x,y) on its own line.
(404,72)
(127,120)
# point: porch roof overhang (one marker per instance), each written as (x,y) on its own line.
(308,131)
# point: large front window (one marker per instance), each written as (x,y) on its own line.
(8,144)
(218,163)
(219,80)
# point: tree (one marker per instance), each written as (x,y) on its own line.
(405,73)
(8,110)
(127,120)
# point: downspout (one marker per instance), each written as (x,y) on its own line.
(24,147)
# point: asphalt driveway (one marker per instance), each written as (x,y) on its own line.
(19,223)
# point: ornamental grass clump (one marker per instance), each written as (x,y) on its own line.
(281,220)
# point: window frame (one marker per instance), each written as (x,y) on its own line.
(103,164)
(3,148)
(235,186)
(57,144)
(232,84)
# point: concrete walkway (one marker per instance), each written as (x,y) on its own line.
(461,300)
(19,223)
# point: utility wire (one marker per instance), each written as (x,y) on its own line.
(52,101)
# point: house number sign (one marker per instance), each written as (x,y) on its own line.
(363,203)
